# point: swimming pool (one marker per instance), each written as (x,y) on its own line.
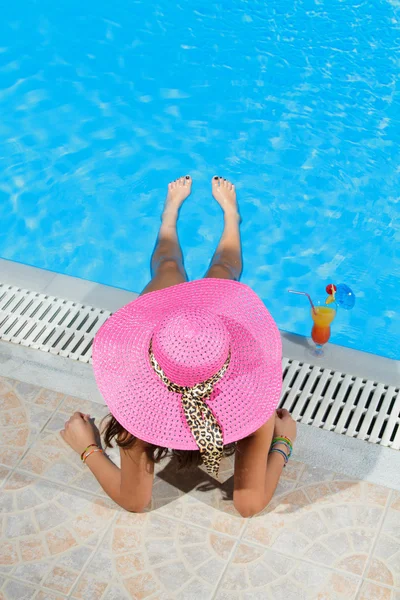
(297,103)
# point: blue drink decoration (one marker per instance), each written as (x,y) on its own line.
(344,296)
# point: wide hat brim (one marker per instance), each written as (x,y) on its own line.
(243,400)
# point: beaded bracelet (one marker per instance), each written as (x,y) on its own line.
(86,449)
(285,456)
(279,443)
(91,452)
(283,438)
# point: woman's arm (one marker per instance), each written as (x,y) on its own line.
(257,472)
(131,486)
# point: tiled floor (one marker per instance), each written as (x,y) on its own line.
(323,537)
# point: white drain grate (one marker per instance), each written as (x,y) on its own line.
(48,323)
(349,405)
(327,399)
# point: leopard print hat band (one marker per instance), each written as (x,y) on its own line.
(204,426)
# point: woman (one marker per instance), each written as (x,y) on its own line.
(190,366)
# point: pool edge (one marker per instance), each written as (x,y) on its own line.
(295,347)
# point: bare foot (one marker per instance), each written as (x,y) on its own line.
(225,194)
(178,191)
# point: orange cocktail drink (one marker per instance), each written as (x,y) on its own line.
(322,317)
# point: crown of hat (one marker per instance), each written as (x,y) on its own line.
(191,345)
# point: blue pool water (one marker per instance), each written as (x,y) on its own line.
(102,103)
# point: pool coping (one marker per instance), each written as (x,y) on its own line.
(296,347)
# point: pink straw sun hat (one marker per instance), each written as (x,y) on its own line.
(151,355)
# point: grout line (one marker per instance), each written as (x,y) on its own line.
(39,586)
(303,559)
(45,590)
(36,587)
(91,557)
(381,584)
(36,435)
(98,495)
(195,525)
(117,580)
(181,520)
(53,559)
(374,544)
(228,562)
(238,539)
(7,477)
(62,485)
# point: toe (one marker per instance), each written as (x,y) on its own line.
(215,181)
(188,180)
(181,181)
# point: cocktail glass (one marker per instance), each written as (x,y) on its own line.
(322,317)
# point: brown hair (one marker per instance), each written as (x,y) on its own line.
(186,459)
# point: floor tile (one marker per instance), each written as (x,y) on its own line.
(46,595)
(384,567)
(49,531)
(256,573)
(332,523)
(50,457)
(312,474)
(116,592)
(15,590)
(72,404)
(24,411)
(149,554)
(39,396)
(4,472)
(195,497)
(62,537)
(373,591)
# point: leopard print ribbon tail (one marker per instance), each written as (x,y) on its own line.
(202,422)
(205,429)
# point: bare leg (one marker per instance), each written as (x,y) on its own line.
(227,260)
(167,261)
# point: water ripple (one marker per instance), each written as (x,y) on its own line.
(297,102)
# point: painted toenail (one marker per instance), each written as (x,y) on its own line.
(216,177)
(187,177)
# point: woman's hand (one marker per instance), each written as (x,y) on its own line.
(285,425)
(79,432)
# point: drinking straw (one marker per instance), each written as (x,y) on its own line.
(304,294)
